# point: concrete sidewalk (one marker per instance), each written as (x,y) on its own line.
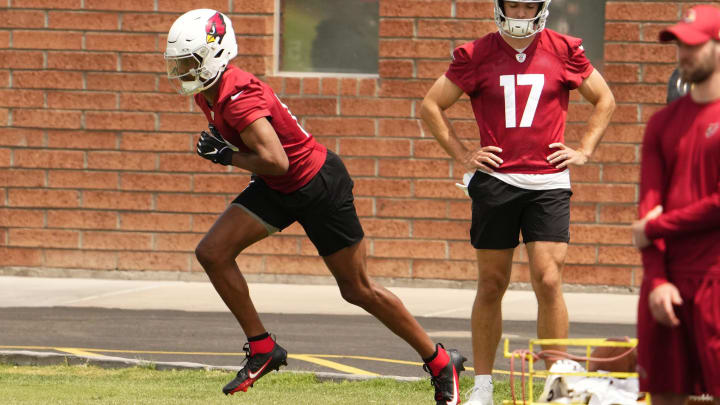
(292,299)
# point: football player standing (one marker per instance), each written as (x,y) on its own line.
(519,81)
(294,178)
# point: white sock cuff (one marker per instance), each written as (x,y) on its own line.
(484,381)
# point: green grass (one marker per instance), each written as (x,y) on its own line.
(92,385)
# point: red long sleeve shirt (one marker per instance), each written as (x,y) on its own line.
(681,171)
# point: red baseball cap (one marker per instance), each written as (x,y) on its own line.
(699,25)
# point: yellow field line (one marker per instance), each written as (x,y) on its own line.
(380,359)
(331,364)
(78,352)
(28,347)
(121,351)
(162,352)
(384,360)
(311,358)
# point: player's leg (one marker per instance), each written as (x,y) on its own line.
(349,268)
(333,226)
(486,319)
(494,233)
(248,220)
(494,267)
(234,230)
(545,225)
(546,261)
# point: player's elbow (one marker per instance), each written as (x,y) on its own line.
(611,105)
(428,108)
(606,102)
(272,163)
(610,100)
(279,165)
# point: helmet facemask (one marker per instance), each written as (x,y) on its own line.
(184,72)
(518,27)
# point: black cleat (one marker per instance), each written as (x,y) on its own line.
(457,359)
(447,382)
(256,366)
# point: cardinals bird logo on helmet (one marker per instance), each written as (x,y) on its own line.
(215,28)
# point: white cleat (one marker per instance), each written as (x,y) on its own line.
(479,396)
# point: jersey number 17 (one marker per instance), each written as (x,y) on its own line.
(508,82)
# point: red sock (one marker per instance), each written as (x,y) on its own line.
(438,361)
(262,344)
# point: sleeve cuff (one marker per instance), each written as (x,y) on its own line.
(652,229)
(252,117)
(655,281)
(456,80)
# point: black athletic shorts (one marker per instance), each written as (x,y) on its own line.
(501,211)
(324,207)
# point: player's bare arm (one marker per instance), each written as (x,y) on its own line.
(595,90)
(269,157)
(443,94)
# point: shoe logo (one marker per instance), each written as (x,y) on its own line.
(236,95)
(260,370)
(455,398)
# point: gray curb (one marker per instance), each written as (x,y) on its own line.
(30,358)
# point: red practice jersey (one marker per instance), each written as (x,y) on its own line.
(242,99)
(681,172)
(520,100)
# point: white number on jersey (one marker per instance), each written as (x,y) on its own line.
(537,81)
(291,114)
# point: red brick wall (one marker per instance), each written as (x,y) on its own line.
(97,169)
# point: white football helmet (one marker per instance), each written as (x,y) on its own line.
(521,28)
(199,46)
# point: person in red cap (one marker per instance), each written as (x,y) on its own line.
(679,230)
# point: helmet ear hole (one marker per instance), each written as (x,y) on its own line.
(220,52)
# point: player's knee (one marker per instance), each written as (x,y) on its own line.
(547,284)
(356,294)
(206,256)
(491,289)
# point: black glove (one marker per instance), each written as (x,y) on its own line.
(213,148)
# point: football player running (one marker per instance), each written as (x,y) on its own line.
(294,178)
(519,81)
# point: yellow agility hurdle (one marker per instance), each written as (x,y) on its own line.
(529,356)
